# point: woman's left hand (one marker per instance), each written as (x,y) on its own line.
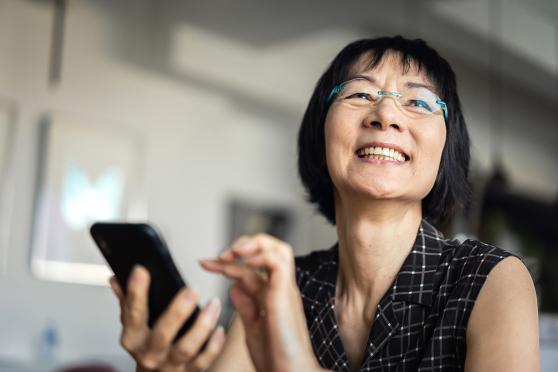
(268,301)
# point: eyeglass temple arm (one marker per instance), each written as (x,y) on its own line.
(336,89)
(444,107)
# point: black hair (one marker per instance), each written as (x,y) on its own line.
(451,188)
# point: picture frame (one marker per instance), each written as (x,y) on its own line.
(89,171)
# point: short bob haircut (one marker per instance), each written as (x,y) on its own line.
(451,188)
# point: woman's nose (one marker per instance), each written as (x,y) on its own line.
(385,114)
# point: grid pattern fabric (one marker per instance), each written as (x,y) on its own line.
(421,321)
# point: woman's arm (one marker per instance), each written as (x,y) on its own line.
(234,356)
(503,332)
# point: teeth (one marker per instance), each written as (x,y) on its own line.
(381,153)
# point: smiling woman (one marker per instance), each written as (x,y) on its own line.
(423,74)
(384,154)
(351,126)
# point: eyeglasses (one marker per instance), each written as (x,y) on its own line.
(414,101)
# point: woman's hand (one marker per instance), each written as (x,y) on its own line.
(267,299)
(153,349)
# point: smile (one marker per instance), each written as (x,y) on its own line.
(381,153)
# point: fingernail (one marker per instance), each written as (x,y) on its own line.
(207,262)
(220,332)
(213,307)
(249,244)
(227,254)
(138,273)
(113,284)
(218,338)
(188,296)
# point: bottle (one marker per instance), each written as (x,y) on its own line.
(48,343)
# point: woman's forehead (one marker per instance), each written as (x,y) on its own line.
(409,69)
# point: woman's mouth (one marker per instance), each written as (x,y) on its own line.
(381,153)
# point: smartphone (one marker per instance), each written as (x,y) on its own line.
(126,244)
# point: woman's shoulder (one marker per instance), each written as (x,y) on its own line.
(470,258)
(459,260)
(464,268)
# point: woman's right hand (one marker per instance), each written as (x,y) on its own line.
(152,348)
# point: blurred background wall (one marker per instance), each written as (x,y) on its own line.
(216,90)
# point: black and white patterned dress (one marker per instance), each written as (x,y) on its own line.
(420,322)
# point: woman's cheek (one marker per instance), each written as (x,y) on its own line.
(333,167)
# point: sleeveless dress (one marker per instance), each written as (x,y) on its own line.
(420,322)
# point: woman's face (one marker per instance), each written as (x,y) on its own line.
(353,130)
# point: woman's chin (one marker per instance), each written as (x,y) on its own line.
(368,193)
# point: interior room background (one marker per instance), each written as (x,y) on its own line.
(196,105)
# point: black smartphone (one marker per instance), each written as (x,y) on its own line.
(126,244)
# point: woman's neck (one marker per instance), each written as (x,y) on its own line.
(374,240)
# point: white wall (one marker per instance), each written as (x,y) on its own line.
(200,150)
(201,147)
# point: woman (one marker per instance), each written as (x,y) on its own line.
(384,153)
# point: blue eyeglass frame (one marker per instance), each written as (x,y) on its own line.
(338,88)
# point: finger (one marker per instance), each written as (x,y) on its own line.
(167,325)
(211,265)
(245,305)
(212,350)
(264,243)
(113,282)
(269,261)
(247,247)
(231,270)
(256,244)
(265,260)
(187,347)
(269,254)
(115,287)
(119,294)
(251,280)
(228,254)
(135,311)
(242,240)
(279,266)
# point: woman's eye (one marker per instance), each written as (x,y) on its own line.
(360,95)
(420,103)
